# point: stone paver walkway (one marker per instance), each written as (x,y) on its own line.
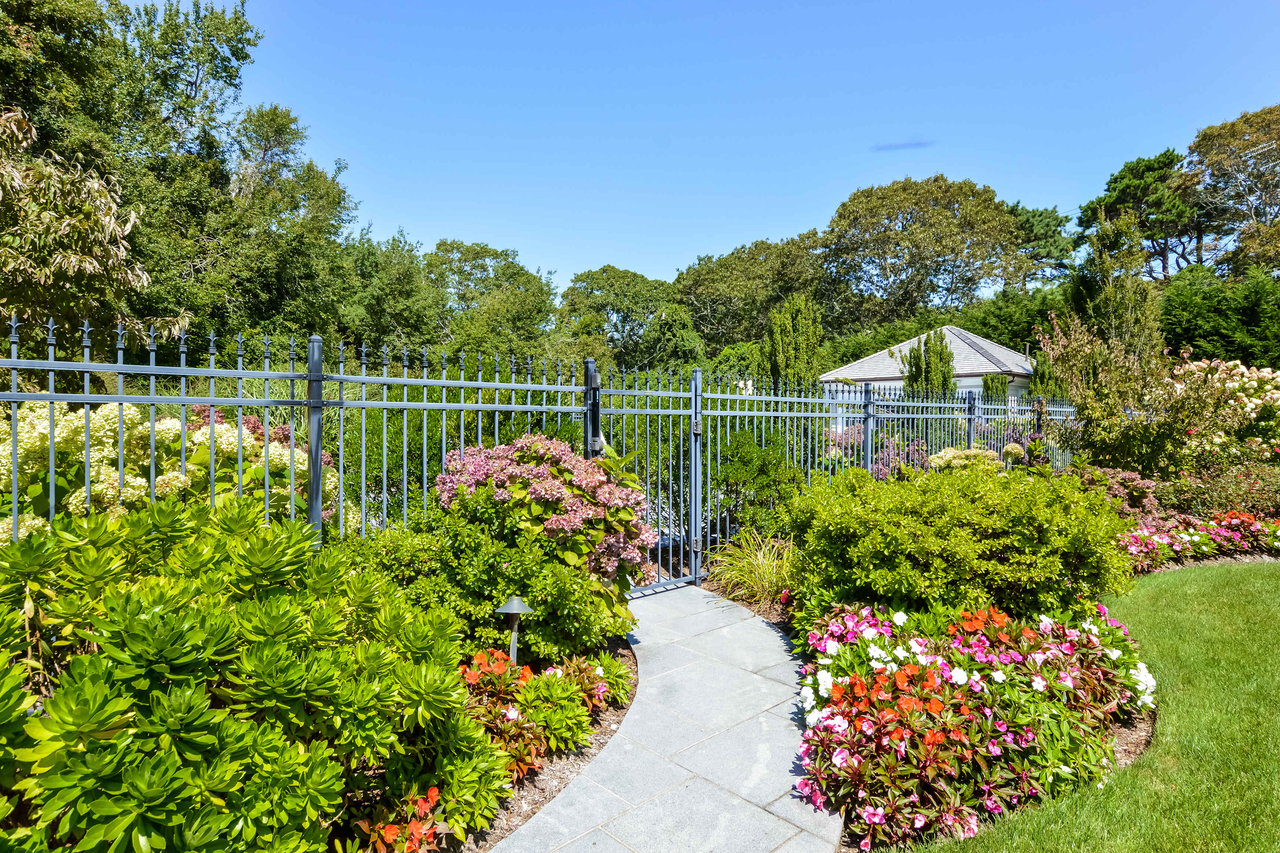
(705,759)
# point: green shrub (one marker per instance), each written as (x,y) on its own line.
(455,563)
(755,483)
(1026,543)
(555,704)
(209,682)
(754,568)
(1253,489)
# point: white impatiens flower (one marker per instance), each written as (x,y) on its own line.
(824,683)
(900,653)
(899,618)
(831,647)
(807,698)
(876,653)
(1146,685)
(1113,653)
(869,633)
(998,676)
(959,676)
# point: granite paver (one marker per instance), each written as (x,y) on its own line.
(705,759)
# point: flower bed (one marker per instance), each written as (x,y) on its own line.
(1185,538)
(924,724)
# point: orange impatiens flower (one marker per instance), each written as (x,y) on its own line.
(902,680)
(998,619)
(935,706)
(934,737)
(1028,633)
(910,704)
(837,692)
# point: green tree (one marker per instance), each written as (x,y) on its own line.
(1165,206)
(929,366)
(790,349)
(497,305)
(1044,382)
(1110,292)
(729,297)
(57,65)
(64,250)
(891,250)
(388,298)
(1239,175)
(615,305)
(671,341)
(1045,242)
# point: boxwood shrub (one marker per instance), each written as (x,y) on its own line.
(1026,543)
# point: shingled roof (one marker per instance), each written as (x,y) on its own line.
(974,356)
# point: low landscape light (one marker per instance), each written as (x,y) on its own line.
(514,607)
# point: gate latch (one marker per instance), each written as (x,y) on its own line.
(697,426)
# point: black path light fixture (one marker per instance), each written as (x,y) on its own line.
(514,608)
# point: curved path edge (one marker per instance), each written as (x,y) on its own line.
(706,756)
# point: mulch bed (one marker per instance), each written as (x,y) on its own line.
(541,786)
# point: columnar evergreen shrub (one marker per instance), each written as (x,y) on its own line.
(969,537)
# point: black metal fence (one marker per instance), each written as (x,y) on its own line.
(352,439)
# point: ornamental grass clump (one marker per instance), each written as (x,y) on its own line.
(923,725)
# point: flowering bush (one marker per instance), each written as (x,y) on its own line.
(955,457)
(1251,429)
(922,725)
(125,431)
(590,508)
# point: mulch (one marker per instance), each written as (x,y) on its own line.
(541,786)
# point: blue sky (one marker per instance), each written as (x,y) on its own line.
(646,134)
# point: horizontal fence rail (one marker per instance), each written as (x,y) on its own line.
(352,439)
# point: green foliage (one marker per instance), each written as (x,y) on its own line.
(1111,293)
(617,307)
(756,482)
(1230,319)
(893,249)
(995,386)
(1169,214)
(555,704)
(789,351)
(929,366)
(63,235)
(754,567)
(208,679)
(1023,542)
(729,297)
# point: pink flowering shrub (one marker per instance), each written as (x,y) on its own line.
(924,725)
(591,509)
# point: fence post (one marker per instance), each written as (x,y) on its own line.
(315,421)
(592,439)
(868,425)
(695,476)
(972,416)
(1039,415)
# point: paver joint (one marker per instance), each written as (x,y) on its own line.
(705,759)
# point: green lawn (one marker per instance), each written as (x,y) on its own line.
(1211,778)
